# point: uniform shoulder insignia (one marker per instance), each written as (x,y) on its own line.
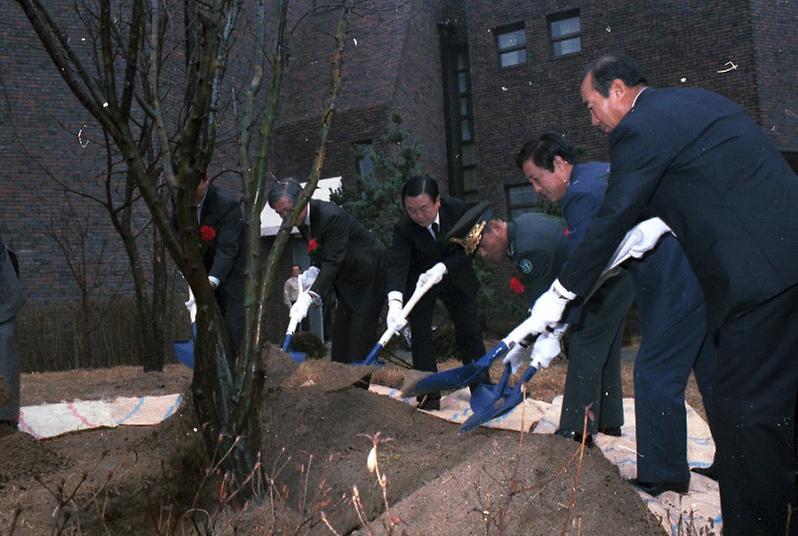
(525,265)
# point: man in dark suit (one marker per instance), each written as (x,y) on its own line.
(221,229)
(351,261)
(11,300)
(670,308)
(419,251)
(696,160)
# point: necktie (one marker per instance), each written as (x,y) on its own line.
(434,226)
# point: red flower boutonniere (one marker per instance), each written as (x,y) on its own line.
(207,233)
(516,285)
(313,245)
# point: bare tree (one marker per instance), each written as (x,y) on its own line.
(136,80)
(72,232)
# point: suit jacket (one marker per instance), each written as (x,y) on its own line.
(414,251)
(696,160)
(223,256)
(11,295)
(351,258)
(666,289)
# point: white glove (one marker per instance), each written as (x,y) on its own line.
(432,276)
(191,305)
(641,238)
(308,277)
(546,348)
(300,308)
(650,232)
(547,310)
(395,319)
(517,356)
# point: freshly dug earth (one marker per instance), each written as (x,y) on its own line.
(317,433)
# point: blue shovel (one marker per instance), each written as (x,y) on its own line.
(305,281)
(505,399)
(418,293)
(459,377)
(297,357)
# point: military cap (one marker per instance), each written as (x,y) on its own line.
(467,231)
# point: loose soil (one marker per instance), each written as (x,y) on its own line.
(318,428)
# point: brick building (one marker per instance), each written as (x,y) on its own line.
(472,80)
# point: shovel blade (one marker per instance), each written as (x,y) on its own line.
(184,352)
(507,400)
(453,379)
(484,396)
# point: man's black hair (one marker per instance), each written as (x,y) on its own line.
(289,188)
(543,150)
(420,184)
(609,67)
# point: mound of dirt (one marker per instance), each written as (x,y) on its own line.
(23,458)
(315,443)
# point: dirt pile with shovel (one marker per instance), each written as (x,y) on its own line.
(318,430)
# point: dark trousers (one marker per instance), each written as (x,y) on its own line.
(594,359)
(230,296)
(462,310)
(662,368)
(354,331)
(754,397)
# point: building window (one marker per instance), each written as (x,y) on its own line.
(520,198)
(511,43)
(364,158)
(468,163)
(565,30)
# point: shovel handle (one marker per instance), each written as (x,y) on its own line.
(388,334)
(287,342)
(289,333)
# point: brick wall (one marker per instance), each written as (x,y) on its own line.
(392,63)
(776,48)
(671,41)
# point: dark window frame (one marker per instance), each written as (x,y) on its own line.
(363,143)
(465,119)
(524,207)
(507,29)
(560,16)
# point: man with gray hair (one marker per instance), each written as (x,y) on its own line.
(351,261)
(696,160)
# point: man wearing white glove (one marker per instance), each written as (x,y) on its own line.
(538,246)
(351,264)
(670,309)
(221,234)
(421,254)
